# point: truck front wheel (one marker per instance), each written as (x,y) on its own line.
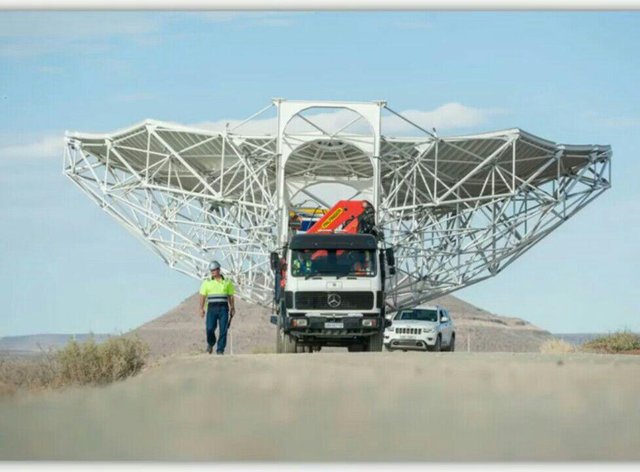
(289,344)
(279,341)
(374,343)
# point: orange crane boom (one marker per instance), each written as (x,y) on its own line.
(343,215)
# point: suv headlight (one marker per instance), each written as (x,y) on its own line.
(428,330)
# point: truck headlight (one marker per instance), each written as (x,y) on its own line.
(370,323)
(300,322)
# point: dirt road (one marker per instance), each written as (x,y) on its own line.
(342,406)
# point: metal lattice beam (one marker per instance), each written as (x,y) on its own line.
(456,210)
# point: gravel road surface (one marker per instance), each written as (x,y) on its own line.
(342,406)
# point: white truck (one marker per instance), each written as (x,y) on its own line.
(330,289)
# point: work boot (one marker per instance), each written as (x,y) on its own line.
(209,349)
(219,353)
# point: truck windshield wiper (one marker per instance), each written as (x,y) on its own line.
(310,274)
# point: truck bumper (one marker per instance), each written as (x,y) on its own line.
(336,327)
(418,344)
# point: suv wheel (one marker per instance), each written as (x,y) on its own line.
(438,345)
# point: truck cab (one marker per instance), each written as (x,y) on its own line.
(333,293)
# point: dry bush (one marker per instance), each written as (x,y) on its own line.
(91,363)
(557,346)
(33,374)
(616,342)
(76,363)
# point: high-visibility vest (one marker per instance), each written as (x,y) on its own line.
(217,291)
(302,266)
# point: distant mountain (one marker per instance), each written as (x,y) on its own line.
(36,343)
(181,331)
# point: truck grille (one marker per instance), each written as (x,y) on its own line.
(408,330)
(320,301)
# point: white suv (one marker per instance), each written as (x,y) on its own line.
(425,328)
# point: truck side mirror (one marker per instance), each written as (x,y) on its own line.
(391,259)
(275,261)
(274,319)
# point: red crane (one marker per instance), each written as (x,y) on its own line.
(342,216)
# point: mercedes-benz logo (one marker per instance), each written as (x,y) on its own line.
(334,300)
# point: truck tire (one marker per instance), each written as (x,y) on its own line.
(289,344)
(374,343)
(279,346)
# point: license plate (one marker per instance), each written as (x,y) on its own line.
(407,336)
(333,325)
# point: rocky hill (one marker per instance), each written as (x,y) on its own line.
(181,330)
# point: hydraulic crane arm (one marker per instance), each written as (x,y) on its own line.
(343,215)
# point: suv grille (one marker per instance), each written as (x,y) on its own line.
(408,330)
(320,301)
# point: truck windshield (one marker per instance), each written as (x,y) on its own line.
(418,315)
(339,262)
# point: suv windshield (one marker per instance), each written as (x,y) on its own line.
(340,262)
(418,315)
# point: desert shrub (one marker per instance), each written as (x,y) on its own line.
(114,359)
(76,363)
(616,342)
(556,346)
(36,373)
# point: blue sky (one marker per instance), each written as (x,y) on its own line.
(570,77)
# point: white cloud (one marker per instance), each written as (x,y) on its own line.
(26,34)
(622,122)
(413,24)
(248,18)
(29,34)
(449,116)
(446,117)
(134,97)
(75,25)
(46,147)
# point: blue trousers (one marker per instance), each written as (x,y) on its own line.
(217,313)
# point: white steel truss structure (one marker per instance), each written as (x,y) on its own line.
(456,210)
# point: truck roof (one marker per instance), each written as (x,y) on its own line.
(333,241)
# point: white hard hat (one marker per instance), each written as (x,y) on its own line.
(214,265)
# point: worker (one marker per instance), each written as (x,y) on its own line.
(217,292)
(302,265)
(283,277)
(361,264)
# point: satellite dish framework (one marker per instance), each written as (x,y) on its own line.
(456,210)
